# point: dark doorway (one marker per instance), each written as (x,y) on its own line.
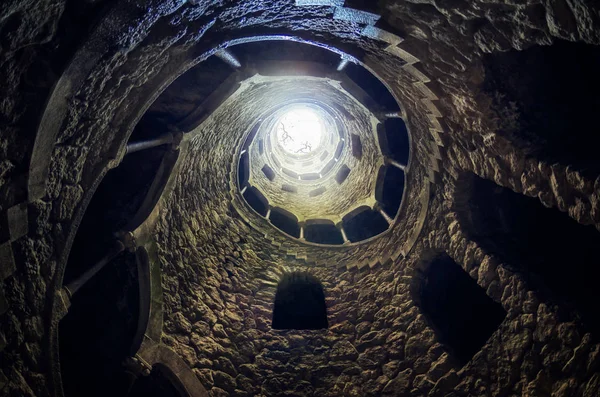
(364,224)
(547,100)
(299,303)
(556,255)
(459,310)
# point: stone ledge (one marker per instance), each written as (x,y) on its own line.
(402,54)
(382,35)
(356,16)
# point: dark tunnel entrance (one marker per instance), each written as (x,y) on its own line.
(461,313)
(547,99)
(299,303)
(556,254)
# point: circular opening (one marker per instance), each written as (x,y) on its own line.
(300,131)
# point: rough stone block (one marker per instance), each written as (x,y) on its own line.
(7,261)
(356,16)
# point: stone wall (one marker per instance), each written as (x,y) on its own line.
(87,82)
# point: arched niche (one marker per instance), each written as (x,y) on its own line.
(389,188)
(285,221)
(393,139)
(363,223)
(322,231)
(299,303)
(256,200)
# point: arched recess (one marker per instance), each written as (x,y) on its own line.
(285,221)
(373,87)
(100,323)
(256,200)
(299,303)
(109,308)
(389,188)
(113,304)
(554,253)
(363,223)
(394,140)
(456,307)
(244,169)
(322,231)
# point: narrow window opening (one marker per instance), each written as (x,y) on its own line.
(338,150)
(290,173)
(269,173)
(289,188)
(310,176)
(328,167)
(299,303)
(459,310)
(342,174)
(317,192)
(261,146)
(357,148)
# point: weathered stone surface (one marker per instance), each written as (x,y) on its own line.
(217,311)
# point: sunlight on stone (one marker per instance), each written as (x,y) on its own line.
(299,131)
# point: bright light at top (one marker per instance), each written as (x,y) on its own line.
(299,131)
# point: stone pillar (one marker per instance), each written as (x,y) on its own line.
(395,163)
(301,224)
(385,215)
(340,227)
(143,145)
(75,285)
(228,57)
(342,65)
